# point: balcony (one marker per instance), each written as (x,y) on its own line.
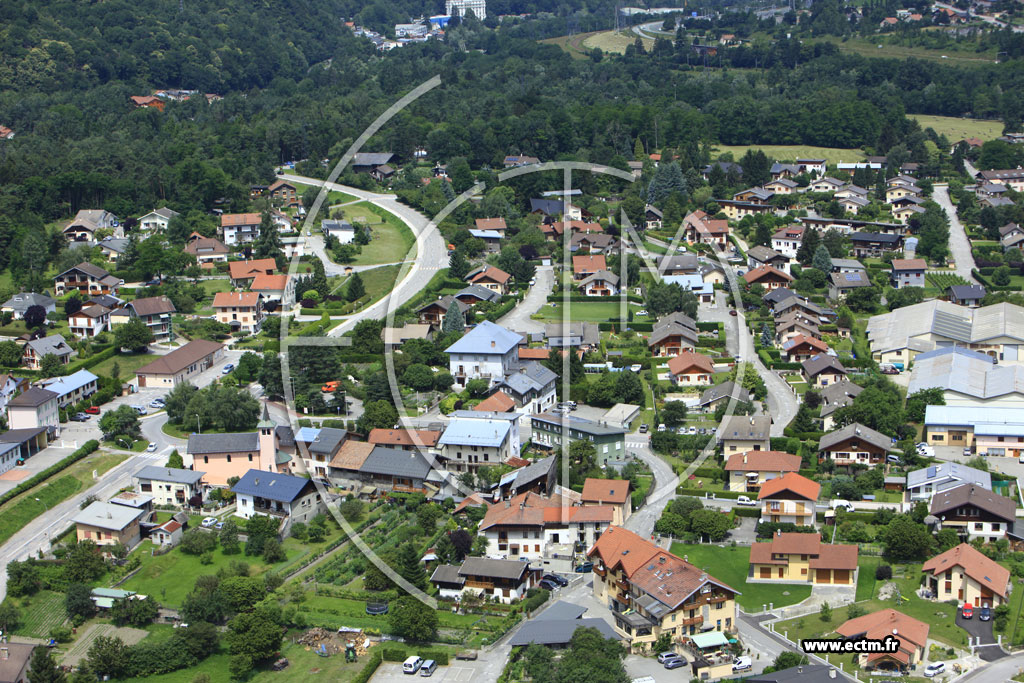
(600,571)
(692,621)
(273,512)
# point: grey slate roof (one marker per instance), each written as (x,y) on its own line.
(558,631)
(169,474)
(200,444)
(602,276)
(271,485)
(990,502)
(579,424)
(859,431)
(808,673)
(822,362)
(745,427)
(54,344)
(687,261)
(447,573)
(662,331)
(778,295)
(677,317)
(21,302)
(966,372)
(880,237)
(965,292)
(32,398)
(480,292)
(764,254)
(533,376)
(328,440)
(848,280)
(848,263)
(560,609)
(372,158)
(392,461)
(107,515)
(946,475)
(727,389)
(499,569)
(536,470)
(115,244)
(480,338)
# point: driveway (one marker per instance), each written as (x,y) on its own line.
(518,319)
(665,481)
(959,246)
(981,632)
(456,672)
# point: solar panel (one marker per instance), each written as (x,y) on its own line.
(853,277)
(932,472)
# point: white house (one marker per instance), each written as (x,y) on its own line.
(158,220)
(488,351)
(291,499)
(72,388)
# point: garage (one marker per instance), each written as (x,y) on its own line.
(823,576)
(841,576)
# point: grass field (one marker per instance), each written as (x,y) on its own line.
(22,509)
(392,240)
(39,613)
(572,44)
(614,41)
(378,282)
(127,364)
(333,197)
(792,152)
(597,312)
(876,48)
(730,565)
(957,129)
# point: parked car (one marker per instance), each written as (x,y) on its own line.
(209,522)
(636,367)
(151,448)
(967,452)
(839,504)
(585,568)
(661,427)
(733,313)
(561,581)
(691,431)
(80,417)
(985,613)
(158,404)
(141,410)
(665,656)
(745,500)
(642,311)
(218,526)
(644,428)
(967,611)
(933,670)
(93,410)
(227,368)
(742,664)
(548,585)
(675,663)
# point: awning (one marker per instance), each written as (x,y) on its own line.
(368,490)
(709,640)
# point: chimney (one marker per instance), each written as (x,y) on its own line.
(493,343)
(744,458)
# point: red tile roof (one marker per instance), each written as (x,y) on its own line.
(578,514)
(878,625)
(491,273)
(614,491)
(264,282)
(791,481)
(233,219)
(491,224)
(498,402)
(589,263)
(752,276)
(533,354)
(472,500)
(763,461)
(820,555)
(977,566)
(227,299)
(909,264)
(688,361)
(404,437)
(799,339)
(241,270)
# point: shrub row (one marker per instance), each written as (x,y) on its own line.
(90,362)
(558,297)
(684,490)
(366,673)
(397,654)
(747,512)
(87,448)
(501,310)
(709,327)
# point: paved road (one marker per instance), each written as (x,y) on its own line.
(431,253)
(665,480)
(981,631)
(1003,670)
(959,245)
(518,319)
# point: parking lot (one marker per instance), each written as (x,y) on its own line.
(456,672)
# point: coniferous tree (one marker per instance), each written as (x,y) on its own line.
(454,319)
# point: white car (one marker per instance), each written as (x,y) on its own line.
(151,448)
(933,670)
(745,500)
(642,311)
(209,521)
(742,664)
(141,410)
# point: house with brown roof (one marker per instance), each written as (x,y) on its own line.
(89,321)
(526,353)
(347,461)
(534,527)
(494,224)
(433,312)
(601,283)
(671,338)
(154,311)
(87,279)
(180,365)
(795,323)
(405,439)
(750,470)
(768,277)
(276,287)
(585,265)
(613,492)
(141,101)
(822,370)
(504,581)
(244,272)
(699,228)
(494,279)
(690,369)
(498,402)
(207,250)
(652,592)
(283,194)
(742,433)
(799,348)
(912,637)
(908,272)
(834,397)
(966,575)
(14,666)
(789,498)
(239,228)
(594,242)
(975,512)
(802,558)
(239,310)
(855,444)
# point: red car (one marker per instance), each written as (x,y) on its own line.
(93,410)
(967,611)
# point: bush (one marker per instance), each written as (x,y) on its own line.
(883,572)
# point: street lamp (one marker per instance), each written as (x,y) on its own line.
(44,504)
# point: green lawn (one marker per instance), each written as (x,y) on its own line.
(39,613)
(22,509)
(790,152)
(731,565)
(211,287)
(334,197)
(879,47)
(596,312)
(391,240)
(957,129)
(377,281)
(127,364)
(1014,631)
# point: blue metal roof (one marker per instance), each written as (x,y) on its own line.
(486,234)
(307,434)
(463,432)
(486,338)
(270,485)
(73,382)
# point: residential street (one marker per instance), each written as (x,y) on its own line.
(518,319)
(959,245)
(665,481)
(431,253)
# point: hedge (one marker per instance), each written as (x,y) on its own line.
(709,327)
(87,448)
(91,361)
(747,511)
(501,310)
(684,490)
(366,673)
(558,298)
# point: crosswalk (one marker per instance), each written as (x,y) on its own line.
(636,444)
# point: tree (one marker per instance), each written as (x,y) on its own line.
(904,296)
(83,563)
(249,367)
(356,289)
(121,422)
(808,247)
(197,541)
(270,375)
(905,540)
(134,612)
(710,523)
(259,530)
(228,538)
(378,414)
(9,617)
(674,413)
(253,637)
(35,316)
(242,592)
(177,400)
(412,620)
(786,660)
(454,319)
(268,244)
(51,366)
(351,510)
(629,388)
(445,549)
(822,259)
(427,516)
(42,668)
(133,335)
(108,656)
(1001,276)
(863,299)
(273,552)
(10,354)
(418,376)
(458,266)
(919,400)
(409,566)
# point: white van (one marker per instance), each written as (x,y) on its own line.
(839,504)
(412,665)
(742,664)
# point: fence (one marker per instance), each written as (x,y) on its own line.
(814,659)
